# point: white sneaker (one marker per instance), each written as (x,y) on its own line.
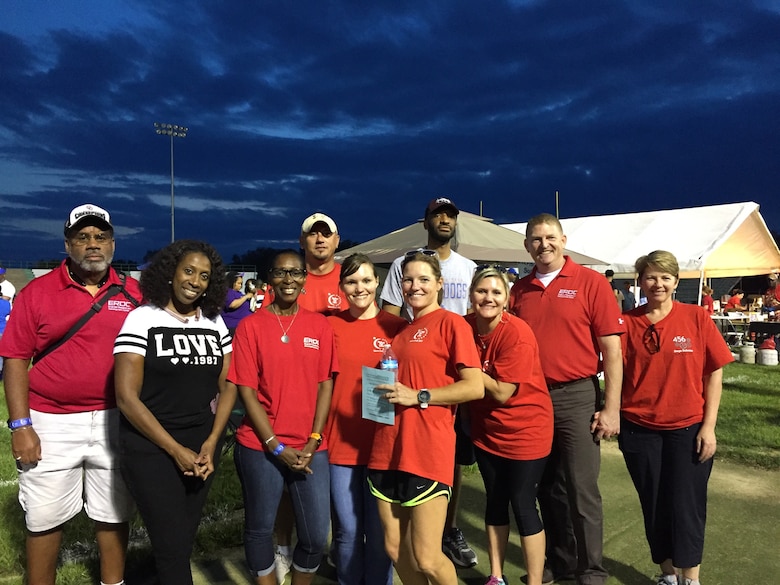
(282,566)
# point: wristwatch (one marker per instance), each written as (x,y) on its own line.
(423,397)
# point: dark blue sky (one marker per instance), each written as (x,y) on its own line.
(367,110)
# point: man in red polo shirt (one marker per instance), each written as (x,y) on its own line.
(63,416)
(573,314)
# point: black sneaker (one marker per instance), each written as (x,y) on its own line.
(457,549)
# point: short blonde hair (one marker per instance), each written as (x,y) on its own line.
(661,259)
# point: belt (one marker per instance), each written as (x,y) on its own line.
(560,385)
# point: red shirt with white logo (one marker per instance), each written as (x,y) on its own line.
(422,441)
(359,342)
(567,318)
(79,375)
(664,389)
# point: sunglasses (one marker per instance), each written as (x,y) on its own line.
(423,251)
(497,267)
(651,339)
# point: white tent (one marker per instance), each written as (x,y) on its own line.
(477,238)
(709,242)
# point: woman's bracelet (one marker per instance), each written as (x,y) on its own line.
(19,423)
(279,449)
(269,439)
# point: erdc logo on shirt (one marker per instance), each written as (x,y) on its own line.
(379,344)
(311,343)
(120,305)
(566,293)
(334,301)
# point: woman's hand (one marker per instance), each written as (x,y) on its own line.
(706,443)
(26,446)
(186,461)
(205,460)
(296,459)
(399,394)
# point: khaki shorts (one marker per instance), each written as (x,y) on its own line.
(79,468)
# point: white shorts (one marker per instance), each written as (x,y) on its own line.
(79,468)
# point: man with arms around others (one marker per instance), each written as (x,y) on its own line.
(441,221)
(62,412)
(572,311)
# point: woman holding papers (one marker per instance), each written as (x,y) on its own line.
(512,426)
(284,357)
(362,332)
(411,464)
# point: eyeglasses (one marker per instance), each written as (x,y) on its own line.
(423,251)
(295,273)
(497,267)
(651,339)
(83,239)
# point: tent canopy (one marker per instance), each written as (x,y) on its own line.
(711,242)
(477,238)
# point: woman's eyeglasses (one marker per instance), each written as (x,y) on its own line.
(651,339)
(295,273)
(497,267)
(423,251)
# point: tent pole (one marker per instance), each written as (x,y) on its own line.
(701,284)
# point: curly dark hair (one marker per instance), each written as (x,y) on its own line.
(156,278)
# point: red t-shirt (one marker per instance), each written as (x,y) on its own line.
(708,303)
(567,318)
(320,294)
(521,428)
(422,441)
(79,375)
(285,375)
(358,343)
(665,390)
(733,303)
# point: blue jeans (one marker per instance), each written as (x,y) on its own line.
(262,482)
(357,531)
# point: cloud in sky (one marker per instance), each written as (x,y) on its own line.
(367,111)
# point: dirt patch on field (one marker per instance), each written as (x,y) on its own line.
(728,478)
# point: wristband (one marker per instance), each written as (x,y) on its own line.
(279,449)
(19,423)
(269,439)
(317,437)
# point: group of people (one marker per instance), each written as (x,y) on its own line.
(504,374)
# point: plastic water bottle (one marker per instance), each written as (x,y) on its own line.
(389,361)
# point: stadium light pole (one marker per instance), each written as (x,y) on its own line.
(174,131)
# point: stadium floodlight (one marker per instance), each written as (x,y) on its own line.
(174,131)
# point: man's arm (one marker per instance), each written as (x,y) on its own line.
(392,297)
(25,444)
(606,422)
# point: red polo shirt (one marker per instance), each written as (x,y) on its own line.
(567,319)
(79,375)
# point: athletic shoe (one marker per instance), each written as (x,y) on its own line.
(667,580)
(455,546)
(495,581)
(282,566)
(686,581)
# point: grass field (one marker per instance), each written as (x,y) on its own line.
(742,528)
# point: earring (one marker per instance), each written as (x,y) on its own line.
(204,294)
(170,282)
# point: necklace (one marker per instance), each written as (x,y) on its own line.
(175,315)
(284,337)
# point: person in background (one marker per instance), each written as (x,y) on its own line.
(441,223)
(673,359)
(572,311)
(63,417)
(706,299)
(9,290)
(284,359)
(237,304)
(629,299)
(410,468)
(172,356)
(250,287)
(512,426)
(610,276)
(362,332)
(735,301)
(512,275)
(771,299)
(5,311)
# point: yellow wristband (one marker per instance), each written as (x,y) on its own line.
(317,437)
